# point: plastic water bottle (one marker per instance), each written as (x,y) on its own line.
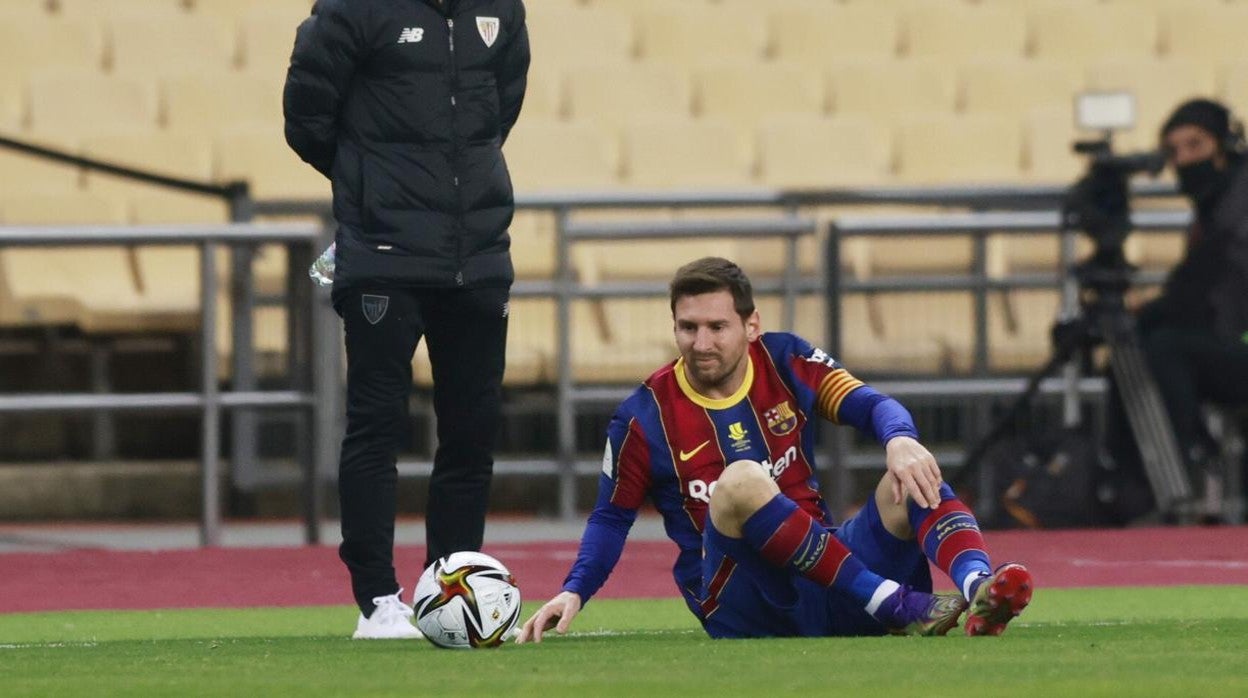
(322,270)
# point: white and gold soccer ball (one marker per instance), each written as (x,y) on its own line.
(467,600)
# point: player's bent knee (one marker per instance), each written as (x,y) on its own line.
(742,489)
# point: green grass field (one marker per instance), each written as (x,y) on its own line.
(1175,641)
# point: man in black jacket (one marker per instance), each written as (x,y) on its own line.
(1195,335)
(405,105)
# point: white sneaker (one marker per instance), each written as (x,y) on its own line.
(391,620)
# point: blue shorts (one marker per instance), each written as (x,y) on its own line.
(746,596)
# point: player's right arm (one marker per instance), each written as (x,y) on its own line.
(622,487)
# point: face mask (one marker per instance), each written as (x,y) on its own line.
(1201,181)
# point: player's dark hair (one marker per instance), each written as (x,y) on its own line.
(711,274)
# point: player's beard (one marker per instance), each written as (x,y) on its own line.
(711,371)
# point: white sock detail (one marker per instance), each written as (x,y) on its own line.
(883,591)
(969,581)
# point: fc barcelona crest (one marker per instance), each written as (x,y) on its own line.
(487,27)
(781,419)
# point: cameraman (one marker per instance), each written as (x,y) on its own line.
(1195,335)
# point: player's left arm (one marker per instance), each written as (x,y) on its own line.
(843,399)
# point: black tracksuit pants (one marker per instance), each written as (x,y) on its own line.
(466,331)
(1191,366)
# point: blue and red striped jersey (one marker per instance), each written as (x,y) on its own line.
(669,444)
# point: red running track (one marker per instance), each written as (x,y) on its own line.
(308,576)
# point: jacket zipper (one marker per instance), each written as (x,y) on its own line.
(455,158)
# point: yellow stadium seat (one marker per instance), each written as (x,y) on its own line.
(823,33)
(1158,251)
(744,93)
(112,8)
(156,209)
(1019,324)
(889,89)
(562,36)
(549,155)
(865,351)
(262,158)
(186,156)
(81,104)
(920,254)
(533,244)
(266,39)
(964,32)
(12,106)
(621,340)
(30,174)
(1234,86)
(151,46)
(1086,32)
(543,96)
(813,152)
(210,102)
(1209,34)
(233,10)
(1049,155)
(684,153)
(692,35)
(24,9)
(1159,86)
(42,42)
(942,149)
(610,96)
(932,331)
(67,208)
(1015,87)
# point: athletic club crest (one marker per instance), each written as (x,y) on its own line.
(487,27)
(781,419)
(374,307)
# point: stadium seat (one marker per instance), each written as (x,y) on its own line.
(266,39)
(567,36)
(533,245)
(1234,86)
(84,104)
(1209,34)
(234,9)
(684,153)
(1158,251)
(1015,87)
(610,96)
(34,175)
(546,155)
(179,155)
(920,332)
(198,103)
(261,157)
(693,36)
(1019,324)
(887,89)
(944,149)
(821,34)
(744,93)
(958,33)
(1086,32)
(153,46)
(621,340)
(1159,86)
(12,105)
(113,8)
(1050,135)
(543,96)
(157,209)
(920,254)
(45,42)
(802,151)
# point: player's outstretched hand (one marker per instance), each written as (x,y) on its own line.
(557,613)
(914,472)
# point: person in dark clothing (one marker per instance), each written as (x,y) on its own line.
(405,105)
(1195,335)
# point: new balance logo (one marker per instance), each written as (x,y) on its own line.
(411,35)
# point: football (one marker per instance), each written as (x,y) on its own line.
(467,600)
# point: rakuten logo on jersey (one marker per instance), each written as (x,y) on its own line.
(701,491)
(782,464)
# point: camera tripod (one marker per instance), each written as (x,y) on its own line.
(1103,281)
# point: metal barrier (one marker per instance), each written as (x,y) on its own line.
(315,387)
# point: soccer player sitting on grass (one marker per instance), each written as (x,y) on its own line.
(722,442)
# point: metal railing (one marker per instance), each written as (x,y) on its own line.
(315,390)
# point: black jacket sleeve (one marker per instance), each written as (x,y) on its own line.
(328,47)
(513,74)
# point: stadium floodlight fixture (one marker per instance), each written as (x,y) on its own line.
(1105,111)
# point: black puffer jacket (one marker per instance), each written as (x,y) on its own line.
(404,105)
